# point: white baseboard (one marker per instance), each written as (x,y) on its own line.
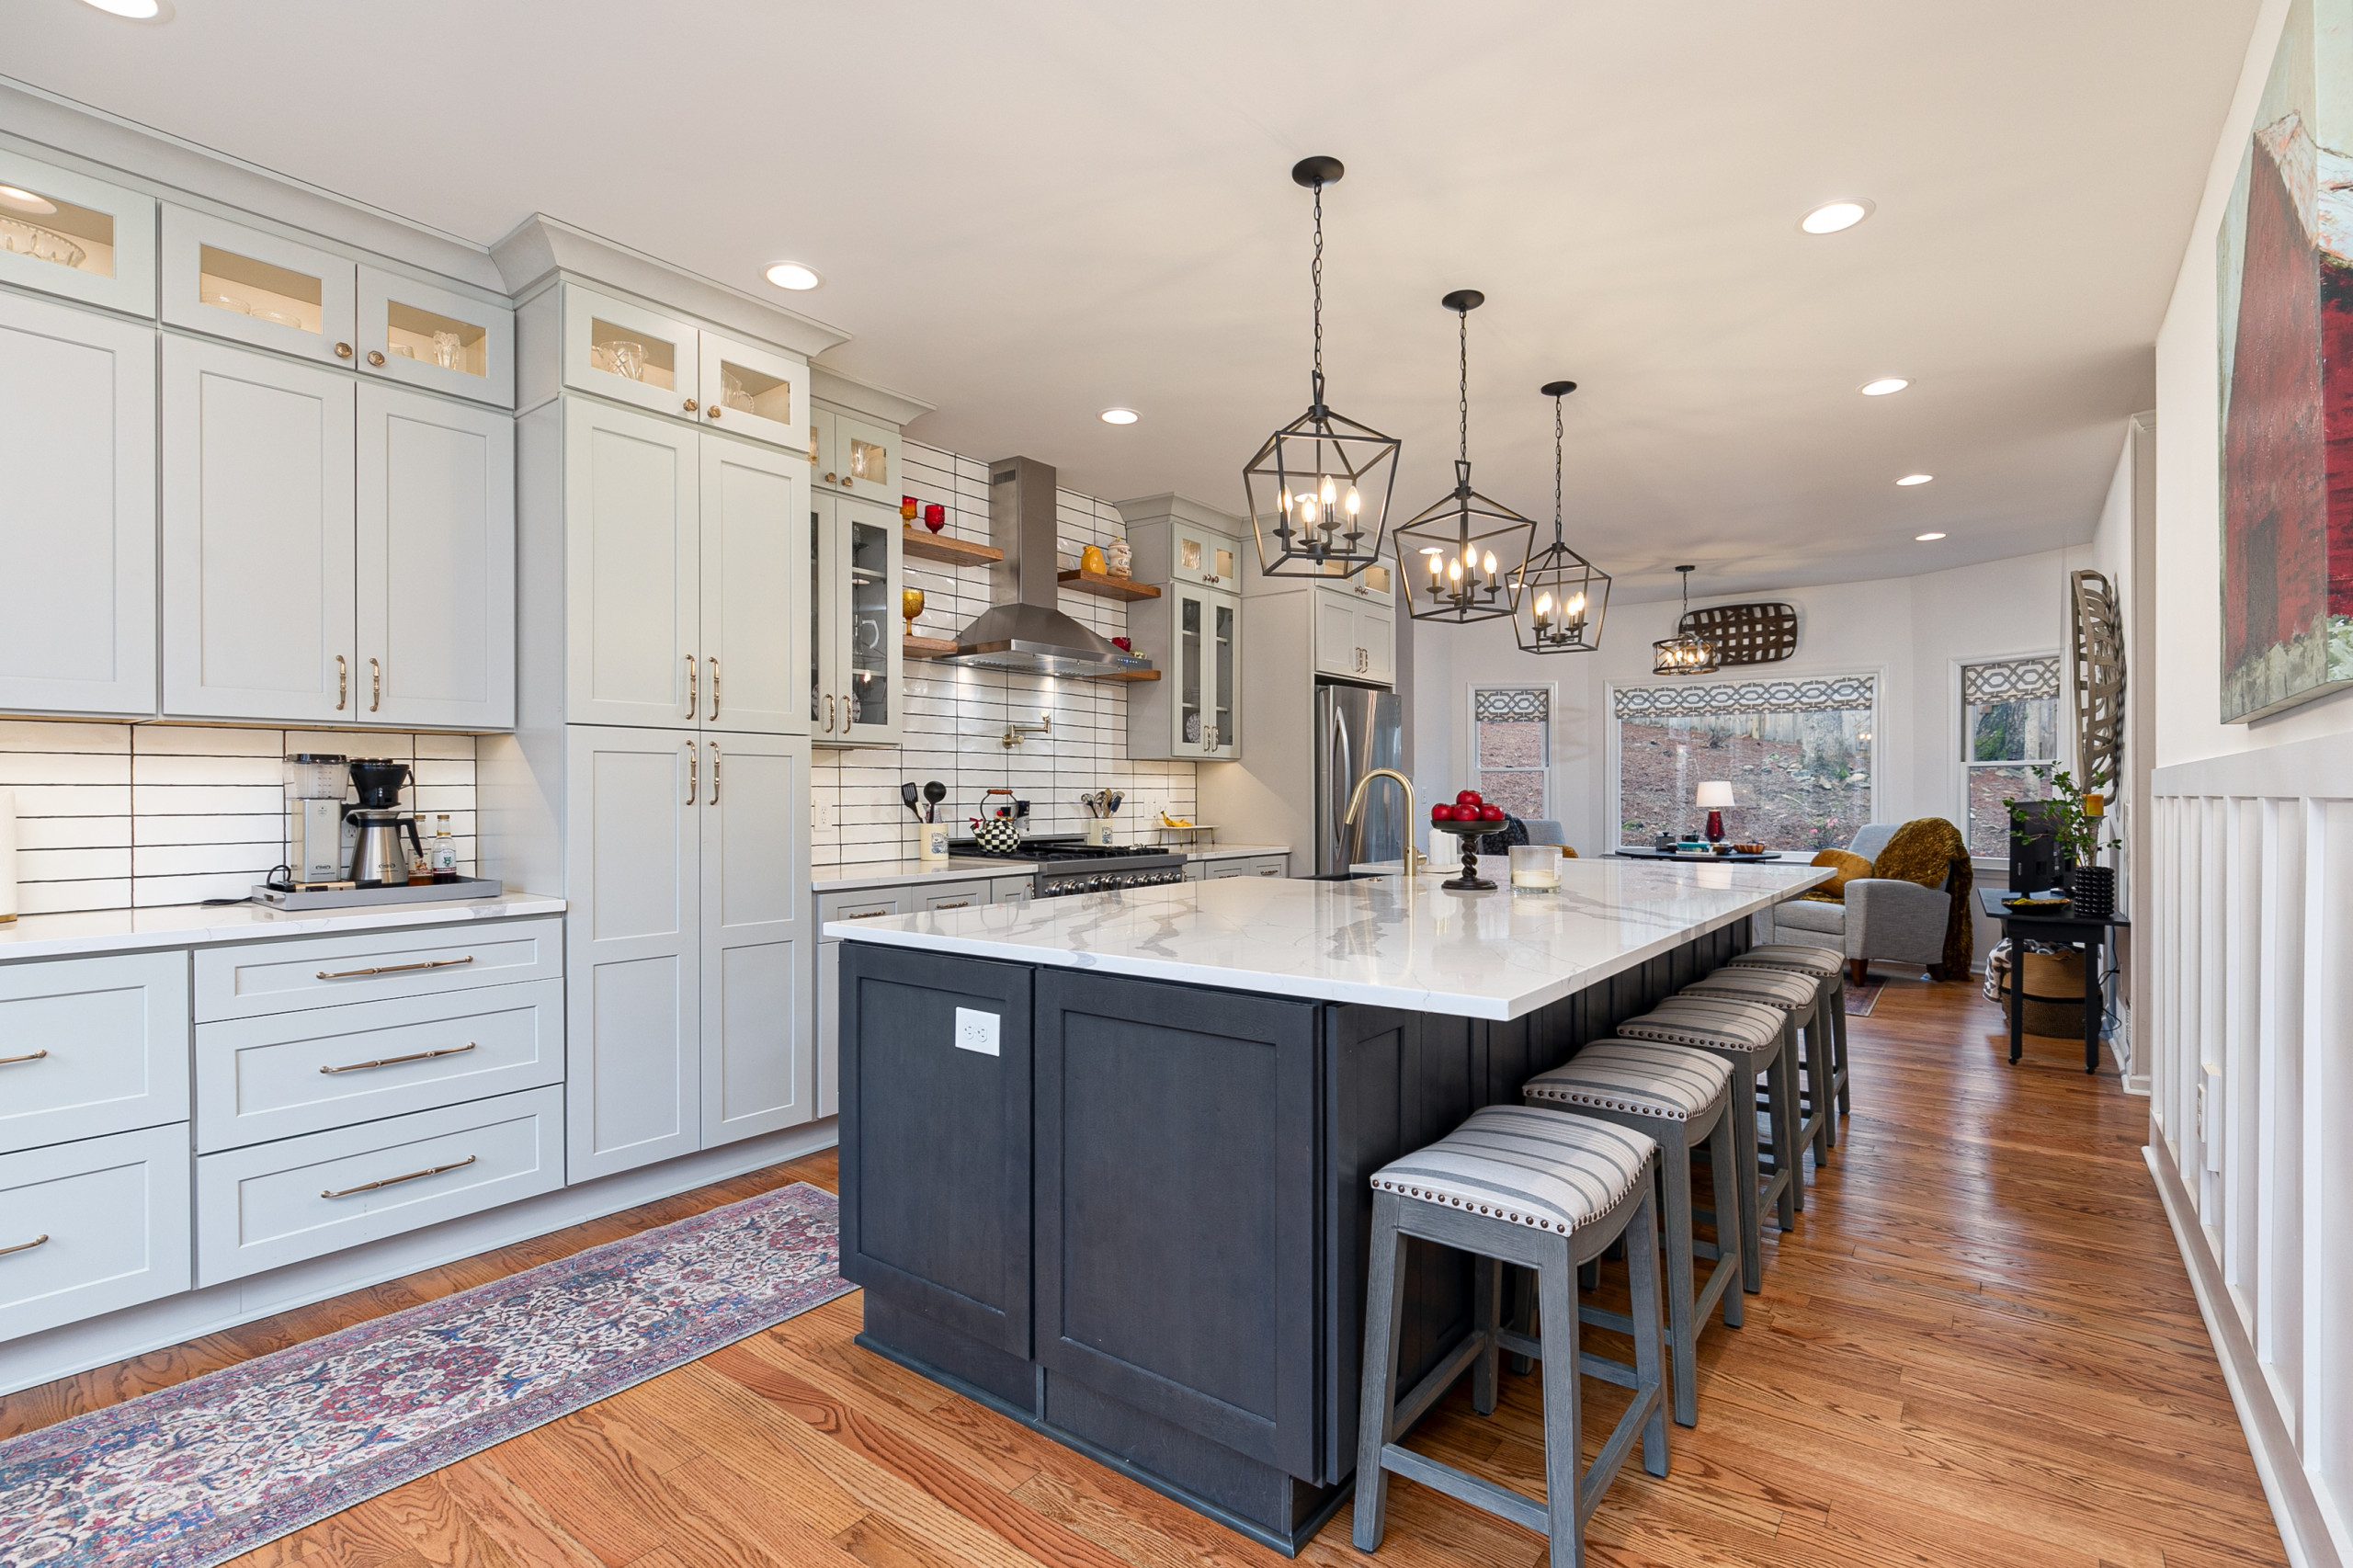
(173,1319)
(2295,1508)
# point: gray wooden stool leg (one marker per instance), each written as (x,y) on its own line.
(1723,1165)
(1838,986)
(1385,1304)
(1557,1295)
(1781,1117)
(1641,1274)
(1747,1162)
(1822,1066)
(1486,1317)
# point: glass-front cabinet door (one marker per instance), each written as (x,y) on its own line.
(227,280)
(755,393)
(623,351)
(433,337)
(1198,556)
(64,233)
(1372,583)
(1205,665)
(856,693)
(859,457)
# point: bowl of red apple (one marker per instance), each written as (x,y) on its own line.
(1470,818)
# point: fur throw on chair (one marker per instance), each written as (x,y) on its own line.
(1930,851)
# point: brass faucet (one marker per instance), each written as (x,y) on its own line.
(1414,858)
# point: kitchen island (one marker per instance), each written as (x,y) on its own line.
(1104,1158)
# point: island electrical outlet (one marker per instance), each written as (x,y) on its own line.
(976,1030)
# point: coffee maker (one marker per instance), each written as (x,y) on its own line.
(379,859)
(315,783)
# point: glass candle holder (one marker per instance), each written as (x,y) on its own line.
(1535,866)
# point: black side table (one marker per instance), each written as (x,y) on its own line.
(2058,927)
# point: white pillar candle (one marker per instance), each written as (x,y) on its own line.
(7,855)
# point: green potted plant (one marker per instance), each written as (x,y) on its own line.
(2076,819)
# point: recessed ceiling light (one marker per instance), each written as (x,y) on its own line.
(1915,479)
(1883,386)
(1833,216)
(1119,417)
(137,10)
(1924,539)
(17,201)
(784,274)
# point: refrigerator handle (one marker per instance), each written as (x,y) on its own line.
(1344,784)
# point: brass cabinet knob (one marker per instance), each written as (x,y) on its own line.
(712,411)
(691,406)
(830,479)
(375,357)
(343,350)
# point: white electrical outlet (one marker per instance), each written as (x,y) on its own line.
(821,816)
(976,1030)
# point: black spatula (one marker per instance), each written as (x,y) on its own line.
(907,793)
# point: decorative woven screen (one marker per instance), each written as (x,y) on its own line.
(2099,680)
(2009,680)
(1504,702)
(1823,694)
(1746,634)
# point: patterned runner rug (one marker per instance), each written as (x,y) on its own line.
(194,1474)
(1861,999)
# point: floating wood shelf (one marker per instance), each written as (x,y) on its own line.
(924,545)
(1128,674)
(1108,587)
(927,647)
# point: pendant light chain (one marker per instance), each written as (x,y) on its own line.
(1462,381)
(1315,279)
(1558,428)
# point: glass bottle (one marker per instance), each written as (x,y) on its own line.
(442,852)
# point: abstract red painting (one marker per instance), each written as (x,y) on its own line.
(2285,283)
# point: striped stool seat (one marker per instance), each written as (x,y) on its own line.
(1827,965)
(1800,998)
(1709,1023)
(1757,1041)
(1769,988)
(1682,1097)
(1524,1166)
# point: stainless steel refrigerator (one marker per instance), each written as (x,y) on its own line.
(1357,730)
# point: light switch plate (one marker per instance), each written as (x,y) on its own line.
(976,1030)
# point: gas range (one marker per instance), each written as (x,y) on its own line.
(1066,866)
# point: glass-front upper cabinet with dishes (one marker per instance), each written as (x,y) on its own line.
(64,233)
(630,353)
(1192,713)
(855,455)
(1172,546)
(857,574)
(755,391)
(434,337)
(226,280)
(1372,582)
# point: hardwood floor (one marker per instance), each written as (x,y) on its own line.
(1978,1348)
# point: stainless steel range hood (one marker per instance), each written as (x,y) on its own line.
(1024,630)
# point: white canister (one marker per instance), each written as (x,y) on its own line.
(933,847)
(7,855)
(1098,833)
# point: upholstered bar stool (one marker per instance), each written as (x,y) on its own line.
(1755,1042)
(1828,966)
(1799,999)
(1547,1192)
(1678,1096)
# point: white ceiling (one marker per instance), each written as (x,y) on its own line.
(1026,212)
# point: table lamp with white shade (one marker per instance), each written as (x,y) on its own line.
(1715,799)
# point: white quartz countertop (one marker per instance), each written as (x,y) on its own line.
(1416,947)
(1231,851)
(197,925)
(901,873)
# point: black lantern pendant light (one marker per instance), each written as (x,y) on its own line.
(1562,595)
(1686,652)
(1319,487)
(1459,559)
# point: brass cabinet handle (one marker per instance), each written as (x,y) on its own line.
(846,483)
(713,412)
(830,479)
(694,678)
(714,773)
(343,350)
(394,1061)
(829,712)
(394,1181)
(867,914)
(341,682)
(691,406)
(714,686)
(375,685)
(848,717)
(25,1246)
(694,769)
(394,967)
(30,1056)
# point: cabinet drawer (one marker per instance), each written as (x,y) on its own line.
(325,972)
(113,1216)
(964,895)
(862,905)
(278,1203)
(303,1071)
(92,1046)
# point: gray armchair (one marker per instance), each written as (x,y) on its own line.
(1882,918)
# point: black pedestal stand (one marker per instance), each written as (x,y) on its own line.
(1470,834)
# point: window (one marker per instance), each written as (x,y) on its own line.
(1797,753)
(2009,729)
(1511,747)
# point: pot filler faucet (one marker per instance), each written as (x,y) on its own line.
(1414,858)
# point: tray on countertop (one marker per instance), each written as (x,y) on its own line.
(354,898)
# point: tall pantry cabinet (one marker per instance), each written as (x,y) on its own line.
(659,774)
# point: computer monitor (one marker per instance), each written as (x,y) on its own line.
(2034,849)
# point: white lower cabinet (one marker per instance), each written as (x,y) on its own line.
(92,1226)
(688,942)
(249,980)
(277,1203)
(92,1046)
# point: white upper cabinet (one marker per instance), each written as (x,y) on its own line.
(78,443)
(855,456)
(1356,637)
(753,613)
(1193,712)
(857,574)
(1372,585)
(758,1072)
(623,351)
(753,392)
(67,233)
(425,337)
(435,580)
(257,538)
(1174,550)
(227,280)
(633,578)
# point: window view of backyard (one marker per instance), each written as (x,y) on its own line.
(1799,780)
(1511,749)
(2010,743)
